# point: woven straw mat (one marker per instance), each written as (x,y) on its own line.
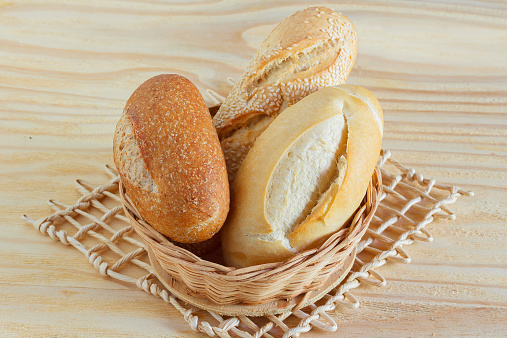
(96,226)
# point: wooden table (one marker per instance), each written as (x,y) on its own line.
(439,70)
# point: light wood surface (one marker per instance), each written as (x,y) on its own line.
(439,70)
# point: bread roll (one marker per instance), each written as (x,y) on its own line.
(304,177)
(309,50)
(169,158)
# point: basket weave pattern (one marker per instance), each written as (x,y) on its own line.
(264,283)
(97,227)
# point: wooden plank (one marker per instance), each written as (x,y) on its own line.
(66,70)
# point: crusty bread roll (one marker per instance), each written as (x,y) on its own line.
(169,158)
(304,177)
(309,50)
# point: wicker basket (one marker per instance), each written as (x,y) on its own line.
(261,289)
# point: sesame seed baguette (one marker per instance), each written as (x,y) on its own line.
(169,159)
(312,49)
(304,177)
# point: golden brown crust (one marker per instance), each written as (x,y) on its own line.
(310,50)
(179,147)
(248,238)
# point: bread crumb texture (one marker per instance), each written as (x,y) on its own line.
(305,173)
(130,162)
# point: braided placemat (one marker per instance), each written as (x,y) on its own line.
(96,226)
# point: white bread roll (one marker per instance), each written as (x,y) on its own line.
(312,49)
(304,177)
(169,159)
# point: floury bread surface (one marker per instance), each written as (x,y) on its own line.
(169,159)
(304,177)
(312,49)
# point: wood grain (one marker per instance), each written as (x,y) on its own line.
(66,69)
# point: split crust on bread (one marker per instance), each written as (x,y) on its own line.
(310,50)
(170,161)
(304,177)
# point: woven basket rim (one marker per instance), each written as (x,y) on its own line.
(178,261)
(136,218)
